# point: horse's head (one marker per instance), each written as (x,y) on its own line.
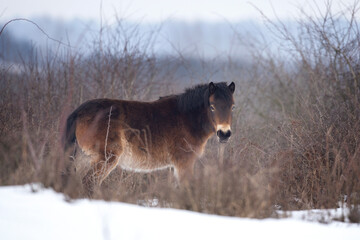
(221,105)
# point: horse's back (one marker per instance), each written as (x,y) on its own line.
(142,127)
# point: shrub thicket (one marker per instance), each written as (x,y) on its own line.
(296,141)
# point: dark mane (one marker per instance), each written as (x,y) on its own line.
(193,98)
(197,97)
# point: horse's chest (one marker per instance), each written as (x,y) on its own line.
(191,146)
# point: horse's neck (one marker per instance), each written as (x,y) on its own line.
(200,124)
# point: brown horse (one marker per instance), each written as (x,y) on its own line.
(146,136)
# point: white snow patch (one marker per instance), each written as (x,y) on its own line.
(326,216)
(46,215)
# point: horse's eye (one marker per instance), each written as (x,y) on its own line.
(233,107)
(212,108)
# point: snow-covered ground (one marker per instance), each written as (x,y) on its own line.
(44,214)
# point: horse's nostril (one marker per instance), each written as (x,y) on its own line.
(223,135)
(228,134)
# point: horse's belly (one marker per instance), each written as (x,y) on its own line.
(140,163)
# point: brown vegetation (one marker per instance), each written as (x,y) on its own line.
(296,143)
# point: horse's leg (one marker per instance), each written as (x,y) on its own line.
(184,168)
(100,168)
(89,181)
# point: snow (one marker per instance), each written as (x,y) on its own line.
(45,214)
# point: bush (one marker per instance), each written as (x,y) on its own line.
(296,141)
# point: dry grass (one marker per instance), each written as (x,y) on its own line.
(297,122)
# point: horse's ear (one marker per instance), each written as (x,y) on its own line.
(232,87)
(212,88)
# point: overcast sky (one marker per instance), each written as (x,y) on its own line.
(155,10)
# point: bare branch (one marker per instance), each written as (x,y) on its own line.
(38,27)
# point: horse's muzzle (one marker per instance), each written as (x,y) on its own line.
(223,136)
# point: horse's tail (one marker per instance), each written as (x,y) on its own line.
(69,137)
(68,140)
